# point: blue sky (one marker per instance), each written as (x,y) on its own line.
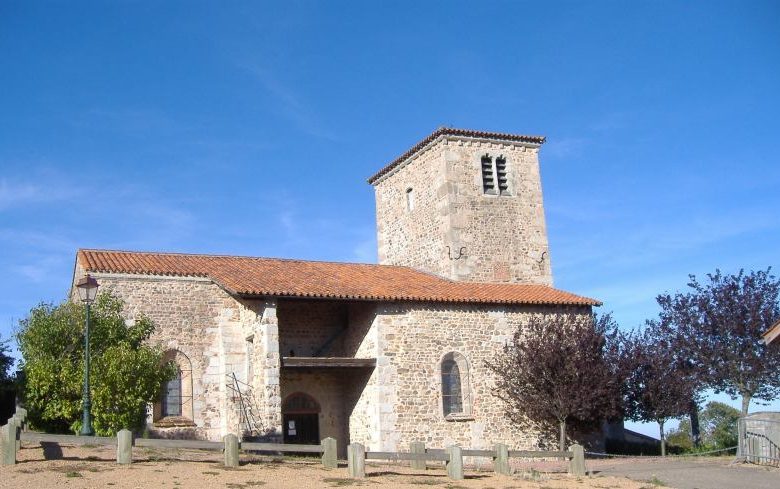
(248,128)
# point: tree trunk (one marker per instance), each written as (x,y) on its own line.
(695,430)
(663,438)
(745,403)
(562,443)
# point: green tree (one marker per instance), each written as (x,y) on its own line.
(6,361)
(125,375)
(719,428)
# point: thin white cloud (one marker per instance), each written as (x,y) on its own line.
(565,147)
(14,194)
(288,103)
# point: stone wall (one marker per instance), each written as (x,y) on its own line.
(413,339)
(502,238)
(306,326)
(337,392)
(386,408)
(200,320)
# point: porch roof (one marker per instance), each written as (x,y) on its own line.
(275,277)
(328,362)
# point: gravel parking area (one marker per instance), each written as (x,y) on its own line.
(690,472)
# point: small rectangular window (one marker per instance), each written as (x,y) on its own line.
(488,179)
(250,351)
(409,199)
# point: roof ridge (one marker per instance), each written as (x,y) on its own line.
(212,255)
(452,131)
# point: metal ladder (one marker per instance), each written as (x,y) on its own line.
(248,423)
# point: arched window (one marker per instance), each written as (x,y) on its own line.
(170,402)
(455,391)
(175,401)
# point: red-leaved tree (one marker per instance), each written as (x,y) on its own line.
(561,369)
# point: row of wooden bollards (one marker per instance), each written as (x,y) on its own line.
(453,457)
(10,441)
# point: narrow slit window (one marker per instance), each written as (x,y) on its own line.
(488,178)
(501,174)
(409,199)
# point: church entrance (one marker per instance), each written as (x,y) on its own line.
(301,419)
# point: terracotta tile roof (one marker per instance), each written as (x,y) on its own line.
(247,276)
(450,131)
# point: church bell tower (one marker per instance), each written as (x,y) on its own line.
(465,205)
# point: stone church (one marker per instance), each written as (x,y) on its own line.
(381,354)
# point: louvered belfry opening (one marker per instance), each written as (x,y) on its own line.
(488,178)
(501,173)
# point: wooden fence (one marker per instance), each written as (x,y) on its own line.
(15,432)
(453,458)
(759,439)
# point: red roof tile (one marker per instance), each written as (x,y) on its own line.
(450,131)
(249,276)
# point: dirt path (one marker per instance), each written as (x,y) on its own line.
(80,467)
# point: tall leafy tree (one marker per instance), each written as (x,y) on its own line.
(126,373)
(660,386)
(719,427)
(6,361)
(717,325)
(560,370)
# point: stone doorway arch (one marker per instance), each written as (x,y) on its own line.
(301,419)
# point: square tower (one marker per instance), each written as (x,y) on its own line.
(465,205)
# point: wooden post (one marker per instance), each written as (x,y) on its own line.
(418,447)
(231,450)
(741,438)
(329,450)
(753,450)
(3,437)
(455,463)
(356,460)
(501,459)
(22,412)
(9,443)
(577,462)
(18,423)
(124,447)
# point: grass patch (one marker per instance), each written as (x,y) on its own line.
(73,473)
(222,467)
(425,482)
(531,474)
(239,485)
(342,481)
(210,472)
(78,468)
(657,482)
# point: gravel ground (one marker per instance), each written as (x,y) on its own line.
(95,467)
(691,472)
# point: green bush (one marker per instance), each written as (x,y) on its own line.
(125,373)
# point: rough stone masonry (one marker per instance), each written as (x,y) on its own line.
(289,350)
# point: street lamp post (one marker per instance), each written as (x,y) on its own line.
(87,288)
